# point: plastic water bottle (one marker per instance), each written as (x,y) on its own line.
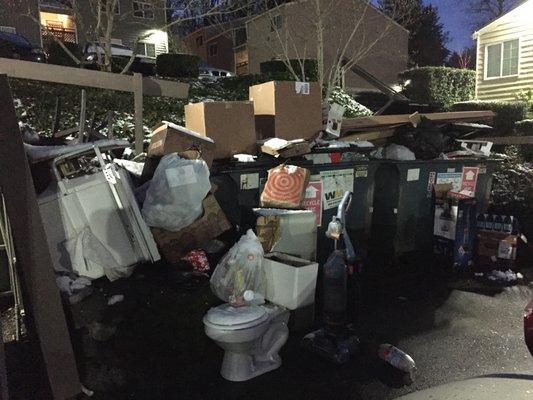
(497,223)
(489,222)
(397,358)
(480,221)
(507,225)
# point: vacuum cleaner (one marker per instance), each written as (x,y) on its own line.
(336,340)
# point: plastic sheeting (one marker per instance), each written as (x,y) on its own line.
(240,270)
(174,197)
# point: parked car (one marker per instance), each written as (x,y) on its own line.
(13,45)
(142,64)
(214,73)
(528,326)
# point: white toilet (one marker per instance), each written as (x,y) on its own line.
(251,337)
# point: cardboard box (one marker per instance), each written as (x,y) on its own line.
(287,110)
(230,124)
(175,245)
(496,250)
(454,229)
(171,138)
(291,232)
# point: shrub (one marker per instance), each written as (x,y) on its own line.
(353,108)
(525,127)
(441,85)
(507,113)
(277,70)
(57,55)
(177,65)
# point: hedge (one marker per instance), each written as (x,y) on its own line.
(277,69)
(507,113)
(439,85)
(57,55)
(177,65)
(524,128)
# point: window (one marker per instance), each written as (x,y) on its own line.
(215,72)
(103,6)
(502,59)
(213,50)
(239,36)
(8,29)
(142,9)
(146,49)
(199,41)
(276,23)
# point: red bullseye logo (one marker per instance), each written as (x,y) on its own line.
(284,185)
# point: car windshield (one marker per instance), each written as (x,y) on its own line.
(14,38)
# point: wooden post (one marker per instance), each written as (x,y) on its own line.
(138,98)
(33,255)
(83,110)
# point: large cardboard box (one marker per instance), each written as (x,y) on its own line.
(287,110)
(175,245)
(230,124)
(171,138)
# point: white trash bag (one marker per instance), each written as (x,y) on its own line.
(240,272)
(174,197)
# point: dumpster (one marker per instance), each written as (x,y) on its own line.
(239,187)
(402,202)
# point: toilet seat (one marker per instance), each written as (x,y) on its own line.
(233,318)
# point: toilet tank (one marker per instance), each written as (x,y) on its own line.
(290,281)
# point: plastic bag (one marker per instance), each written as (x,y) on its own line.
(399,153)
(239,271)
(174,198)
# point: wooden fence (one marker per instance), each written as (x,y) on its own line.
(137,84)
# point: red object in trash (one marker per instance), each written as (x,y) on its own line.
(198,259)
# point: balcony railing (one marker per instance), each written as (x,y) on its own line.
(63,34)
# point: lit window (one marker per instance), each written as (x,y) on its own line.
(146,49)
(142,9)
(502,59)
(213,50)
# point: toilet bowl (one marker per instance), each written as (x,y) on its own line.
(251,337)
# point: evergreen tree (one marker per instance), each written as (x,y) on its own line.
(427,37)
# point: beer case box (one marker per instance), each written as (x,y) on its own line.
(455,230)
(229,123)
(168,138)
(287,110)
(175,245)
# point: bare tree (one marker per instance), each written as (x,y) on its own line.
(481,12)
(337,33)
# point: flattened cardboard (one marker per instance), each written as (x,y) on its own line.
(175,245)
(230,124)
(280,111)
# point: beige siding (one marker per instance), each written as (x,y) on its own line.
(374,41)
(513,26)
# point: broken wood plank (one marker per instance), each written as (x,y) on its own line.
(33,255)
(509,140)
(393,121)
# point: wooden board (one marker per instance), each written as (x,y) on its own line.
(33,256)
(391,121)
(509,140)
